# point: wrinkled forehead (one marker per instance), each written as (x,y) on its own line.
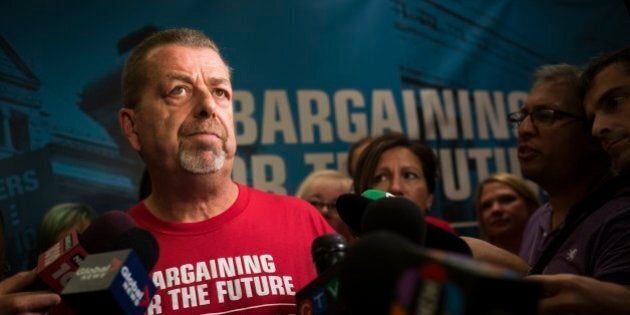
(173,57)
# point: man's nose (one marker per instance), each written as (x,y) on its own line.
(526,128)
(205,105)
(601,126)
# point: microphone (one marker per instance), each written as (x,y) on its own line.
(404,221)
(111,231)
(114,277)
(57,264)
(385,273)
(321,296)
(352,206)
(110,283)
(371,269)
(398,215)
(328,250)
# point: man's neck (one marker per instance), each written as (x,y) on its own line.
(191,198)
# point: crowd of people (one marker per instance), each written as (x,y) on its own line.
(253,246)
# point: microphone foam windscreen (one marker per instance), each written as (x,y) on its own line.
(351,208)
(97,238)
(143,244)
(371,270)
(327,250)
(398,215)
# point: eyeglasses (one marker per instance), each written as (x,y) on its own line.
(320,205)
(543,116)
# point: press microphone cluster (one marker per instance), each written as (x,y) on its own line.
(407,220)
(104,269)
(387,274)
(391,270)
(399,215)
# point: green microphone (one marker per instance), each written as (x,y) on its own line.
(375,194)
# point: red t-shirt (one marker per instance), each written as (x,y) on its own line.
(251,259)
(444,225)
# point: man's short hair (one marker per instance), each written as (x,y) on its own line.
(597,64)
(134,72)
(563,72)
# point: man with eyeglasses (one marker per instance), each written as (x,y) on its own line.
(605,91)
(580,239)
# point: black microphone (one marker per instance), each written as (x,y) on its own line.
(370,271)
(385,273)
(398,215)
(352,208)
(328,250)
(321,296)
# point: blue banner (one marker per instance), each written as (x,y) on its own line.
(310,78)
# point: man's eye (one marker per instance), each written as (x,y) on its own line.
(178,91)
(543,115)
(220,93)
(612,103)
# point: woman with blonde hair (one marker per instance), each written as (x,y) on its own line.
(322,188)
(62,219)
(504,203)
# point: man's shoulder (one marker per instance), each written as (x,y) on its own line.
(542,213)
(619,201)
(277,199)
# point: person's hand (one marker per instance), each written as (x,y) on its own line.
(12,301)
(574,294)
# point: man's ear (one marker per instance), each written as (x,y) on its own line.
(127,121)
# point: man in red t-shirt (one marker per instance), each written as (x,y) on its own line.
(224,247)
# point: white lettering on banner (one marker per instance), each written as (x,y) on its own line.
(18,184)
(268,172)
(491,116)
(277,118)
(445,116)
(345,121)
(411,114)
(433,112)
(455,167)
(384,113)
(244,121)
(311,118)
